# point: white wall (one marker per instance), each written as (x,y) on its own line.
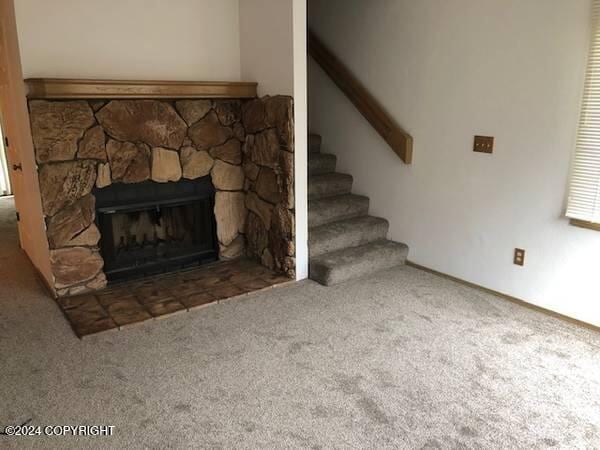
(446,71)
(266,43)
(130,39)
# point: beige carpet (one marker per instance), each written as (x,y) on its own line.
(402,359)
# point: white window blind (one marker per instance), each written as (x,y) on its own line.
(584,196)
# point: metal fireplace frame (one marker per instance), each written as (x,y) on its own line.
(128,198)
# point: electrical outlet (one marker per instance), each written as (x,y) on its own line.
(483,144)
(519,257)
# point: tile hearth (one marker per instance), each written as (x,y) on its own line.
(141,300)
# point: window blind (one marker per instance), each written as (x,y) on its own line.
(584,195)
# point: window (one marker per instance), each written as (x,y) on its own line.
(584,196)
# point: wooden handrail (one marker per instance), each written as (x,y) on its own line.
(400,141)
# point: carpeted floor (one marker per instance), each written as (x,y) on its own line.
(403,359)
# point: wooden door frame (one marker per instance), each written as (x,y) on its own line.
(15,123)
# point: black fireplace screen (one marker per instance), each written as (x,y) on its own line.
(150,228)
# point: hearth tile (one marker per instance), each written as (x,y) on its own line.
(165,307)
(238,276)
(258,270)
(199,272)
(128,317)
(210,281)
(191,275)
(80,302)
(251,285)
(226,291)
(275,278)
(107,298)
(85,316)
(197,300)
(127,311)
(223,269)
(97,326)
(188,288)
(89,318)
(152,294)
(123,304)
(168,281)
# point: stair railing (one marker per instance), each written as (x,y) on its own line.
(399,141)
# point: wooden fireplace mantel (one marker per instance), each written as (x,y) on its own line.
(61,88)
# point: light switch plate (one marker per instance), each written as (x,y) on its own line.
(483,144)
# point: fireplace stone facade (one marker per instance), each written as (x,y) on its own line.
(245,146)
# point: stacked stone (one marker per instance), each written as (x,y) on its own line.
(82,144)
(269,168)
(213,147)
(69,146)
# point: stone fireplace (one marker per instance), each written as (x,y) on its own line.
(134,187)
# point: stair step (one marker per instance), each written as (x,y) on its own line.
(333,209)
(346,233)
(329,184)
(342,265)
(314,143)
(320,163)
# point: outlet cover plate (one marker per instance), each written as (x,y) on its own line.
(519,257)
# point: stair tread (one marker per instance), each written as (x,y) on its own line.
(329,184)
(317,156)
(333,209)
(321,163)
(329,176)
(350,232)
(336,267)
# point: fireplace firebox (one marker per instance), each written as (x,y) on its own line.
(149,228)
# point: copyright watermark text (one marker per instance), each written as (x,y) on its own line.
(58,430)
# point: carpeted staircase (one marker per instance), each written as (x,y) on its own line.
(344,241)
